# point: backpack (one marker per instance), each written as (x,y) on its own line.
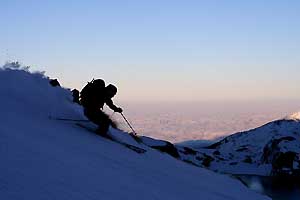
(75,94)
(90,91)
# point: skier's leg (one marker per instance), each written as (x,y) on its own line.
(101,119)
(104,122)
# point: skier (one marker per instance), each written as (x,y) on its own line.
(93,97)
(75,94)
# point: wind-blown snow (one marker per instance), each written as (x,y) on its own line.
(47,159)
(294,116)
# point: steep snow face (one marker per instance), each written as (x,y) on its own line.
(23,93)
(42,158)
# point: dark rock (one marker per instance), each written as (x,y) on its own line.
(169,149)
(283,162)
(242,149)
(161,145)
(272,148)
(207,160)
(248,160)
(222,159)
(189,151)
(54,82)
(218,144)
(199,158)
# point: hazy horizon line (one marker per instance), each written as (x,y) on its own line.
(283,100)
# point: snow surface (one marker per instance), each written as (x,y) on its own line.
(153,142)
(48,159)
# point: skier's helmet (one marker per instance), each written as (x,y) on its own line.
(111,90)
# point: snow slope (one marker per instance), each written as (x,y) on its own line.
(48,159)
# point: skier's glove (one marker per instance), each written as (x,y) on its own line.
(119,110)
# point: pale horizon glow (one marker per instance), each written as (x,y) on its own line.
(161,50)
(208,120)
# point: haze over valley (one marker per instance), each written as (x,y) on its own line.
(183,121)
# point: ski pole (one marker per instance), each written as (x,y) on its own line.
(128,124)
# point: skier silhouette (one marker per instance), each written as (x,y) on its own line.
(93,97)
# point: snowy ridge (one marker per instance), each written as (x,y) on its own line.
(271,149)
(50,159)
(295,116)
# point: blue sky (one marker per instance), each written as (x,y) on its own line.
(161,50)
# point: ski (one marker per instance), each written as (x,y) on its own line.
(129,146)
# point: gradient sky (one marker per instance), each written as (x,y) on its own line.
(161,49)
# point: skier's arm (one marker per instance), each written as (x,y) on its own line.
(112,106)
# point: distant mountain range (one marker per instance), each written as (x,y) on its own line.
(271,149)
